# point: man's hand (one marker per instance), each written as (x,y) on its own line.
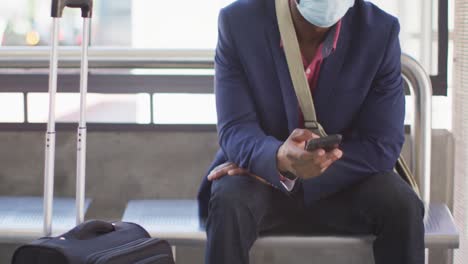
(227,168)
(294,158)
(231,169)
(291,157)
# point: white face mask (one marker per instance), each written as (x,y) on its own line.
(324,13)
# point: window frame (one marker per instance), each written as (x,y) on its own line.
(440,81)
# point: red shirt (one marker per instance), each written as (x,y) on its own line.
(312,69)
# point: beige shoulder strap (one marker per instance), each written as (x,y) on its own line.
(296,68)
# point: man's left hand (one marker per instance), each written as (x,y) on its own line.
(227,168)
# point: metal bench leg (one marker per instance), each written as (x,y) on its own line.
(174,254)
(440,256)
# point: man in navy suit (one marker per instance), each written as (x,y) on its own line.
(351,56)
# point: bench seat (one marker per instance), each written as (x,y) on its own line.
(178,222)
(21,218)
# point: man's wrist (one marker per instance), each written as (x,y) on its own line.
(288,175)
(282,165)
(280,160)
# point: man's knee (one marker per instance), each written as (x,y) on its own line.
(397,202)
(236,196)
(227,193)
(406,206)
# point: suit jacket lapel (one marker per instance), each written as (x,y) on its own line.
(287,89)
(330,72)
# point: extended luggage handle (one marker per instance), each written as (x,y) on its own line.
(86,7)
(57,10)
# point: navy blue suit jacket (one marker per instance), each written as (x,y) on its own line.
(360,94)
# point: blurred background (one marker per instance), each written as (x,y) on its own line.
(151,95)
(166,26)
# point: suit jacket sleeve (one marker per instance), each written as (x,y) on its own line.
(241,137)
(378,130)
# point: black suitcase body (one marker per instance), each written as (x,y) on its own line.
(97,242)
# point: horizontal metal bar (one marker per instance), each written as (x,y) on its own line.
(110,83)
(103,127)
(109,127)
(107,57)
(131,58)
(120,83)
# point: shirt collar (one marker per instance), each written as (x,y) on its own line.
(331,40)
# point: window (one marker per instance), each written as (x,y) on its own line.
(419,38)
(170,27)
(184,108)
(11,108)
(419,28)
(101,108)
(183,24)
(158,24)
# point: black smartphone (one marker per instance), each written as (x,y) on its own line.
(327,143)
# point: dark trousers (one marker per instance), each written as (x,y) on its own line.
(241,209)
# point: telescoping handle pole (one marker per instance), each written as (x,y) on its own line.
(81,138)
(50,134)
(58,6)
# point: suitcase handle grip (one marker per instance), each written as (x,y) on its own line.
(86,7)
(91,229)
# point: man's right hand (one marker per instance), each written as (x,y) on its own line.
(294,158)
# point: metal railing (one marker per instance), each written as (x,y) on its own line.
(107,58)
(420,87)
(128,58)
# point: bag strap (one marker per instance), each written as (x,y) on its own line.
(296,68)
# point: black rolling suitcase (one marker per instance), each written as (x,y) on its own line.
(97,242)
(94,241)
